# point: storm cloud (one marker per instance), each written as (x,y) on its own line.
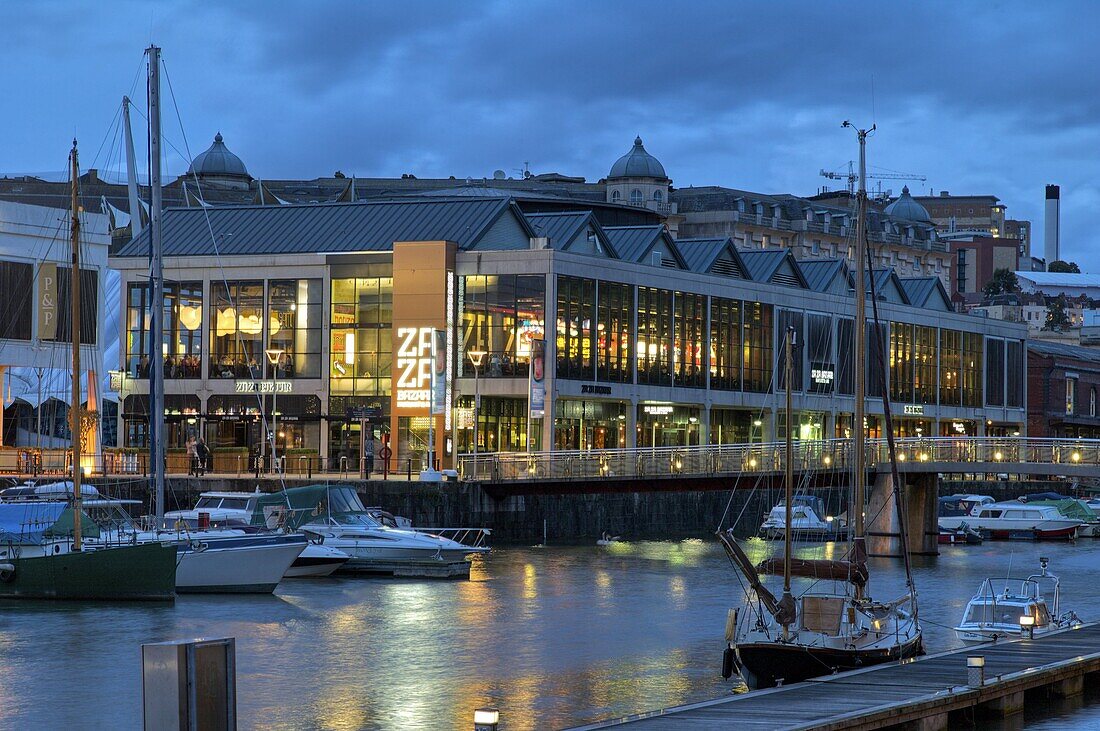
(990,98)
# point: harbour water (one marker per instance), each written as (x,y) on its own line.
(553,636)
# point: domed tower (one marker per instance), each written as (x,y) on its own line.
(220,166)
(907,208)
(638,179)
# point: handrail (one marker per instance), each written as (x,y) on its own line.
(767,457)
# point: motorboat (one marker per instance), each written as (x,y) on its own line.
(317,560)
(1014,608)
(954,506)
(1016,520)
(809,521)
(1074,509)
(963,535)
(334,517)
(208,559)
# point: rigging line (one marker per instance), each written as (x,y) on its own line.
(221,267)
(114,122)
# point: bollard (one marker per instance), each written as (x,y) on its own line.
(975,671)
(1027,626)
(486,719)
(189,685)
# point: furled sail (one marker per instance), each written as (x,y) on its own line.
(853,571)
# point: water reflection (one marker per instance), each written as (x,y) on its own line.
(554,637)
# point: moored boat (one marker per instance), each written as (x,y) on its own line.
(1013,608)
(1017,520)
(809,521)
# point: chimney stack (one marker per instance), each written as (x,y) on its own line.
(1051,226)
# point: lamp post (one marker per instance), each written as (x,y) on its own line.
(274,356)
(476,357)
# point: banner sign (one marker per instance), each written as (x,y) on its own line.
(47,301)
(439,372)
(536,395)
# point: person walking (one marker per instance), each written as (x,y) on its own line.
(202,454)
(192,458)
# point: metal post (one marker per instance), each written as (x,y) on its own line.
(475,360)
(274,356)
(156,320)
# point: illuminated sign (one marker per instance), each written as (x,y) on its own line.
(657,409)
(263,386)
(414,367)
(914,409)
(821,376)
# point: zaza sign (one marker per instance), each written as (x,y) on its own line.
(414,367)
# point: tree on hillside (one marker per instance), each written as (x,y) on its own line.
(1057,319)
(1064,267)
(1004,281)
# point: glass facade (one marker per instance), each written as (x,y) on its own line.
(89,305)
(819,353)
(667,425)
(725,344)
(691,325)
(902,362)
(236,329)
(501,315)
(294,326)
(757,343)
(360,348)
(735,426)
(182,319)
(1015,373)
(950,367)
(925,362)
(654,336)
(16,304)
(994,372)
(502,426)
(972,369)
(793,320)
(576,315)
(582,424)
(616,322)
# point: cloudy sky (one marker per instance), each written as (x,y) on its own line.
(982,98)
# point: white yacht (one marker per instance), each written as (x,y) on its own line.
(1015,520)
(208,559)
(809,521)
(335,518)
(1012,608)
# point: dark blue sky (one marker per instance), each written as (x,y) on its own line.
(993,97)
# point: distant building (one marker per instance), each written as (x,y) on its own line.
(1062,384)
(975,260)
(968,216)
(1053,284)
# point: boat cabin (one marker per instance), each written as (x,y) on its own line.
(954,506)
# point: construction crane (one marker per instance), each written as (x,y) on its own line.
(852,176)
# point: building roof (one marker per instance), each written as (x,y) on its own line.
(907,208)
(325,227)
(700,256)
(217,160)
(766,265)
(888,286)
(821,273)
(637,164)
(633,243)
(563,228)
(921,291)
(1046,347)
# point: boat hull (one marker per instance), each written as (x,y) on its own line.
(765,664)
(144,572)
(316,562)
(249,565)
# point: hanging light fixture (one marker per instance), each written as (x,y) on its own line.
(191,317)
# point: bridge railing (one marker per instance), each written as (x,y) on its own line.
(768,457)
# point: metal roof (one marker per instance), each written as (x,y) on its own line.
(217,160)
(632,243)
(1060,279)
(1045,347)
(820,273)
(560,228)
(323,227)
(637,164)
(920,289)
(762,264)
(700,254)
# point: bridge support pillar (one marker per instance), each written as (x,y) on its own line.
(922,508)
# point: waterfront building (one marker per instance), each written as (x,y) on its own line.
(1062,390)
(35,324)
(649,340)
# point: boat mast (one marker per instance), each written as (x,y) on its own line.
(788,479)
(156,277)
(74,410)
(860,351)
(131,172)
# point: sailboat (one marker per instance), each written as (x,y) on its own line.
(792,639)
(43,555)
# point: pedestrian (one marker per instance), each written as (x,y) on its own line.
(368,453)
(192,458)
(202,454)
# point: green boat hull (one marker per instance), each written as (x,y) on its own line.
(145,572)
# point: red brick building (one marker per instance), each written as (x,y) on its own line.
(1063,382)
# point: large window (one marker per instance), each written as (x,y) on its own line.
(925,361)
(819,353)
(876,357)
(576,313)
(236,329)
(1015,374)
(757,345)
(181,347)
(972,369)
(294,326)
(501,315)
(995,372)
(792,320)
(89,305)
(691,322)
(845,356)
(16,307)
(616,320)
(654,336)
(725,344)
(901,362)
(950,367)
(361,352)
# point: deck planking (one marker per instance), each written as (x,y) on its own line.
(887,694)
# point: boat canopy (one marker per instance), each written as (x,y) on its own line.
(34,523)
(292,507)
(1074,509)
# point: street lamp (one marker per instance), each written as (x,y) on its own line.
(476,356)
(274,356)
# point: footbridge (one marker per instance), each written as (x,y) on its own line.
(820,463)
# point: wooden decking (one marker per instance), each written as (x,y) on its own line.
(929,689)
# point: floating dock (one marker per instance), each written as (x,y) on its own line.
(928,693)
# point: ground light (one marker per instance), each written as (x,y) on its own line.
(1027,625)
(486,719)
(975,671)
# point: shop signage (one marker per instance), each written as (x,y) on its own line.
(657,409)
(464,417)
(914,410)
(598,390)
(359,413)
(821,376)
(414,367)
(537,380)
(439,372)
(47,301)
(263,386)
